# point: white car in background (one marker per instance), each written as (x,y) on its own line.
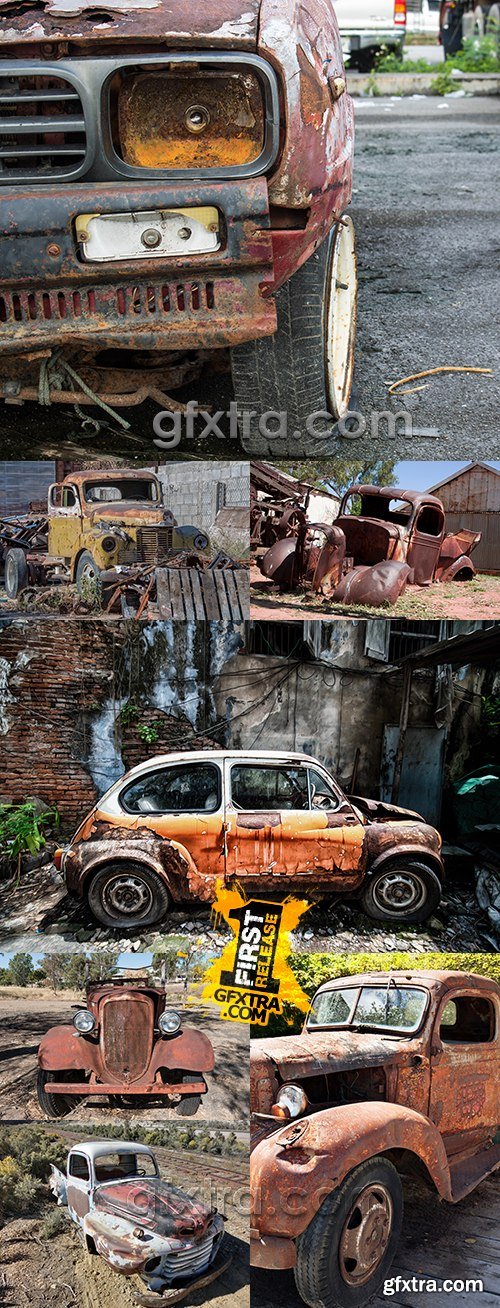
(367,26)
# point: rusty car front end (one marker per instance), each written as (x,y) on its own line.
(125,1041)
(162,174)
(327,1101)
(383,540)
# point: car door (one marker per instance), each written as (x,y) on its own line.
(64,520)
(276,837)
(426,537)
(183,802)
(465,1086)
(78,1186)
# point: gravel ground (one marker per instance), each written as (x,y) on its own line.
(426,211)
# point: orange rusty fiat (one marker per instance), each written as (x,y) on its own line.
(279,823)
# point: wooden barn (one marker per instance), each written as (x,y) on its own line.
(471,499)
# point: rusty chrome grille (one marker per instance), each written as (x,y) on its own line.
(154,544)
(126,1036)
(108,302)
(194,1258)
(42,127)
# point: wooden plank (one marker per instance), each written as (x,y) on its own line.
(232,595)
(219,578)
(242,579)
(176,596)
(163,594)
(197,595)
(187,594)
(212,609)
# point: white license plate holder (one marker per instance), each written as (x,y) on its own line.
(156,234)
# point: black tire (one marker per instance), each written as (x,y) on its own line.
(88,575)
(289,372)
(55,1106)
(381,893)
(16,575)
(322,1274)
(129,883)
(190,1104)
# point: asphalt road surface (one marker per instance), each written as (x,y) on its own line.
(426,215)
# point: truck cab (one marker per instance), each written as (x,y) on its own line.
(390,1071)
(133,1219)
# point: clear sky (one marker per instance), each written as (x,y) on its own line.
(420,475)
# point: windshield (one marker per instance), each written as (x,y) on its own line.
(381,1008)
(114,1166)
(112,492)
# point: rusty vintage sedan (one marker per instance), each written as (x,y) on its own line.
(392,1072)
(165,833)
(126,1044)
(173,181)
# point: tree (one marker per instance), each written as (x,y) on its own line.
(337,475)
(21,970)
(55,967)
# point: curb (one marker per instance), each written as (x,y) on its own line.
(361,84)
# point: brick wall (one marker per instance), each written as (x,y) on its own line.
(54,676)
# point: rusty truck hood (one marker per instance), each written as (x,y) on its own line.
(174,23)
(377,810)
(131,515)
(294,1057)
(159,1206)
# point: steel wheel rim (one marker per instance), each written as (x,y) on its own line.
(399,892)
(340,319)
(128,896)
(89,572)
(366,1234)
(10,573)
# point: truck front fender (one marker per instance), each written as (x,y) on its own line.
(294,1170)
(61,1049)
(378,583)
(190,1050)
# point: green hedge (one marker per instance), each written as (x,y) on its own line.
(312,969)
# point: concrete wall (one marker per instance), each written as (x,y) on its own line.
(190,489)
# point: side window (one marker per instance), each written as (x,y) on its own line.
(322,793)
(79,1167)
(257,788)
(187,788)
(69,500)
(469,1019)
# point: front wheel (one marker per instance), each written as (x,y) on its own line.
(128,895)
(402,891)
(88,577)
(304,371)
(54,1106)
(345,1254)
(15,573)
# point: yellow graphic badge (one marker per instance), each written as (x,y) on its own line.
(253,979)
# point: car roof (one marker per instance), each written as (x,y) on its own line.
(109,474)
(218,755)
(395,493)
(95,1148)
(432,979)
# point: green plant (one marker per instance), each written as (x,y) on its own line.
(444,82)
(54,1224)
(22,829)
(129,713)
(26,1156)
(479,55)
(149,734)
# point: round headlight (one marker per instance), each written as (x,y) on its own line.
(109,544)
(169,1023)
(292,1098)
(84,1021)
(200,541)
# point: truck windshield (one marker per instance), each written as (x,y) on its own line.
(124,488)
(387,1007)
(113,1166)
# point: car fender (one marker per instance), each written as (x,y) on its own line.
(377,583)
(61,1049)
(110,843)
(190,1050)
(462,564)
(294,1170)
(421,852)
(278,563)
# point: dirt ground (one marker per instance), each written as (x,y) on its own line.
(59,1273)
(439,1240)
(25,1016)
(479,598)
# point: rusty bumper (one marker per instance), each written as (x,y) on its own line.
(144,1087)
(49,298)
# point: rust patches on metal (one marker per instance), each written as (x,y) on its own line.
(370,1094)
(396,538)
(126,1052)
